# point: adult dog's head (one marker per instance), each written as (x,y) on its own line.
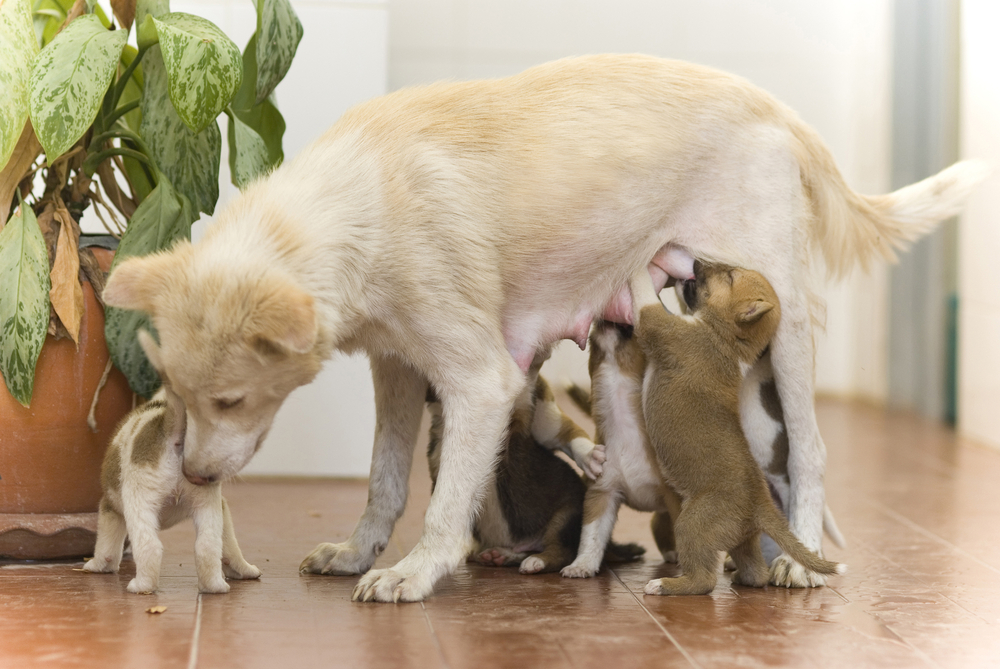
(235,339)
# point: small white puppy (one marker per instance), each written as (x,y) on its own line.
(145,490)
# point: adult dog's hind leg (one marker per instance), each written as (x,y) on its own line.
(477,400)
(399,402)
(792,357)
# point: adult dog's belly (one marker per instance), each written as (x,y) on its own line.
(539,323)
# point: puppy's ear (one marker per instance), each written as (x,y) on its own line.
(750,311)
(151,349)
(284,320)
(136,282)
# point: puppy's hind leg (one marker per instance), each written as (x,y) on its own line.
(399,403)
(751,569)
(600,511)
(141,511)
(233,564)
(698,542)
(561,536)
(111,533)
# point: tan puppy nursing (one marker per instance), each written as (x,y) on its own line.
(452,232)
(695,368)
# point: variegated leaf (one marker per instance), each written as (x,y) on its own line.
(264,117)
(162,218)
(69,79)
(204,67)
(190,160)
(24,302)
(18,46)
(278,34)
(144,8)
(248,157)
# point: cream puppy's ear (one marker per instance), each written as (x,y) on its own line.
(151,349)
(285,319)
(750,311)
(136,282)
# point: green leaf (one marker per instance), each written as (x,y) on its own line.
(204,67)
(69,79)
(24,301)
(162,218)
(278,34)
(248,155)
(190,160)
(18,46)
(264,118)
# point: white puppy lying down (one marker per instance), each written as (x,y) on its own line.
(453,231)
(145,491)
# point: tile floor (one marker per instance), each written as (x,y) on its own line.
(917,505)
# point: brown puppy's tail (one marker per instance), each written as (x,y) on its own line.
(580,397)
(851,229)
(616,553)
(772,522)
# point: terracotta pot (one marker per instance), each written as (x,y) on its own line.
(50,460)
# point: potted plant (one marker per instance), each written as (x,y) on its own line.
(131,132)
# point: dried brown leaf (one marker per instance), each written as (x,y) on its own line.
(66,294)
(124,11)
(156,609)
(25,152)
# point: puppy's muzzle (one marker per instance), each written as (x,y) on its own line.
(197,479)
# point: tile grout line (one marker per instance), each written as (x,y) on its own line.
(663,629)
(434,636)
(195,636)
(898,517)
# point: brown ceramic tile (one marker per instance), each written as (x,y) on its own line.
(918,507)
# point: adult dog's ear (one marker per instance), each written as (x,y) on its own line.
(151,349)
(284,320)
(136,282)
(751,311)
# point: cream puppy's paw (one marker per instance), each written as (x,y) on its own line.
(337,560)
(788,573)
(589,456)
(579,571)
(215,586)
(389,585)
(532,565)
(101,566)
(499,557)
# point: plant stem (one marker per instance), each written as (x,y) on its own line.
(121,133)
(95,159)
(123,80)
(110,119)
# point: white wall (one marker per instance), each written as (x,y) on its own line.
(979,229)
(830,61)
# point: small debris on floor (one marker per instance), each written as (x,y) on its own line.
(156,609)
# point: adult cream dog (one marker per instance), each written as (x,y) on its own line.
(452,231)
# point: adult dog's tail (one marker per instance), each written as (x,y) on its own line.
(851,228)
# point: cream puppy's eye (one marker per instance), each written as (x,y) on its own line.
(225,404)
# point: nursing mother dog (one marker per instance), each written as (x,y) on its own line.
(456,231)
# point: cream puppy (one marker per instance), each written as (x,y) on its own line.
(145,491)
(453,231)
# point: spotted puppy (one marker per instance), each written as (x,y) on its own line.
(532,510)
(145,490)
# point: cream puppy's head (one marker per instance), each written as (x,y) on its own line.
(739,304)
(235,340)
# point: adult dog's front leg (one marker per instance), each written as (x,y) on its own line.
(399,401)
(792,357)
(477,412)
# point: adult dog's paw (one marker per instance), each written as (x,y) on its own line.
(336,560)
(579,571)
(788,573)
(390,585)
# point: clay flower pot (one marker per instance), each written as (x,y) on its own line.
(50,459)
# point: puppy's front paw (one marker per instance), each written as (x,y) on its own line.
(100,565)
(389,585)
(498,557)
(337,560)
(214,586)
(579,571)
(532,565)
(589,456)
(788,573)
(141,586)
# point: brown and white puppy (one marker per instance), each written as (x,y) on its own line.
(452,231)
(695,369)
(531,512)
(145,491)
